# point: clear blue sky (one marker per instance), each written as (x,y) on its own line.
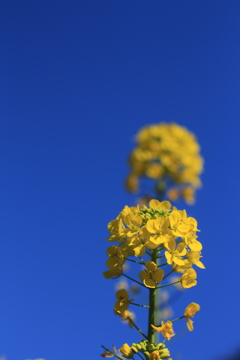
(78,79)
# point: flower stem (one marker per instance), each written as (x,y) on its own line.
(138,282)
(140,356)
(152,314)
(175,282)
(146,306)
(181,317)
(149,253)
(137,262)
(163,264)
(137,328)
(170,272)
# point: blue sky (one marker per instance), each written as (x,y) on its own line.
(78,79)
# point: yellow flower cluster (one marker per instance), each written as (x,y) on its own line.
(157,226)
(167,152)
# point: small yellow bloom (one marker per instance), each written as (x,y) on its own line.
(112,273)
(193,257)
(189,312)
(188,278)
(180,224)
(188,195)
(126,351)
(115,227)
(166,329)
(173,194)
(116,258)
(122,302)
(174,255)
(151,276)
(182,268)
(158,231)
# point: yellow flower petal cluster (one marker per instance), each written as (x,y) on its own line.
(188,278)
(166,329)
(189,312)
(167,151)
(122,302)
(156,226)
(151,275)
(115,262)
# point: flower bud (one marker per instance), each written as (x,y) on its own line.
(126,351)
(154,355)
(134,349)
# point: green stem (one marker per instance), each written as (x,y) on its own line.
(175,282)
(137,262)
(146,306)
(140,355)
(159,257)
(137,328)
(181,317)
(133,280)
(163,264)
(170,272)
(152,314)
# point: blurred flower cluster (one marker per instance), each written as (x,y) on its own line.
(169,155)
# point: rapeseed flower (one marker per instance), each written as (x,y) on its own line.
(188,278)
(122,302)
(189,312)
(151,275)
(166,329)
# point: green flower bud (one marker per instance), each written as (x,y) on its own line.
(151,347)
(165,354)
(134,349)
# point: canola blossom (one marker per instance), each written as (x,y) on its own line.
(161,240)
(169,155)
